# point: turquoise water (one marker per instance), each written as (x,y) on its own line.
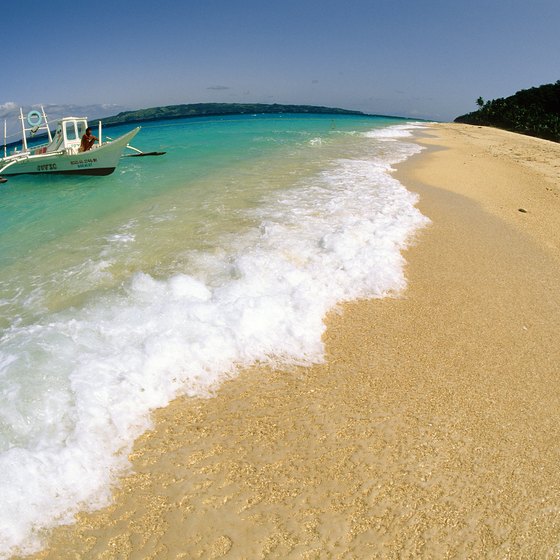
(214,169)
(118,293)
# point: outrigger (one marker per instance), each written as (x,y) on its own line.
(61,154)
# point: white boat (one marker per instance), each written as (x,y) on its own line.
(62,153)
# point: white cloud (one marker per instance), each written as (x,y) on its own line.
(7,108)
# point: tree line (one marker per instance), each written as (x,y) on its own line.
(534,111)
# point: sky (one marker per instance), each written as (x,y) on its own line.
(415,58)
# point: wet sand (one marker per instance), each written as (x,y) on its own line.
(432,429)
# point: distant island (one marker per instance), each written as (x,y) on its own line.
(218,109)
(534,111)
(215,110)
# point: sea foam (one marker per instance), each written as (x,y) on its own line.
(80,384)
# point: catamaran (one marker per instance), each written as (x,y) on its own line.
(62,153)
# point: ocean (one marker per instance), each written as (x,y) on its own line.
(119,293)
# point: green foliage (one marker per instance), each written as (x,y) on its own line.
(534,111)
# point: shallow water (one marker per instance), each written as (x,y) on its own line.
(118,293)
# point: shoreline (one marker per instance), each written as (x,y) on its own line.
(430,430)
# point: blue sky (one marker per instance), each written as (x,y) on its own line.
(416,58)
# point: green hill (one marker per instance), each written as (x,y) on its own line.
(216,109)
(534,111)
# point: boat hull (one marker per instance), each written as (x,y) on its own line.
(101,160)
(99,171)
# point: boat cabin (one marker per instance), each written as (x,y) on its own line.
(68,135)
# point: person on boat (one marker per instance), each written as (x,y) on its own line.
(88,139)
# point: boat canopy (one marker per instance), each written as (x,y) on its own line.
(68,134)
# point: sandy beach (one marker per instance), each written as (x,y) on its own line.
(431,430)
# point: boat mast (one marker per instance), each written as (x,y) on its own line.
(23,131)
(5,136)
